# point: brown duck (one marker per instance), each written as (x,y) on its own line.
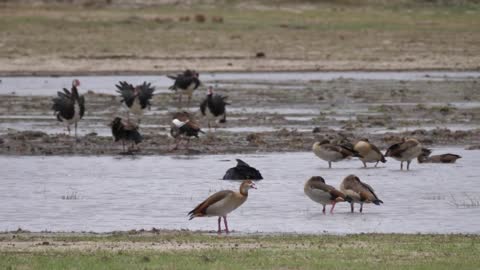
(222,203)
(368,152)
(425,157)
(407,150)
(359,192)
(332,153)
(316,189)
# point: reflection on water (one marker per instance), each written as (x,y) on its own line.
(120,193)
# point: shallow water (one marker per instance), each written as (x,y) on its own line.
(25,85)
(121,193)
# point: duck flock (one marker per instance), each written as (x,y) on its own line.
(69,108)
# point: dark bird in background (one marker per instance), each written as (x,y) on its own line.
(136,98)
(406,150)
(125,131)
(214,106)
(185,83)
(184,127)
(242,171)
(69,106)
(425,157)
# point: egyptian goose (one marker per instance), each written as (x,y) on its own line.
(69,106)
(242,171)
(425,157)
(407,150)
(213,107)
(136,98)
(125,131)
(184,126)
(316,189)
(368,152)
(222,203)
(332,153)
(185,83)
(358,191)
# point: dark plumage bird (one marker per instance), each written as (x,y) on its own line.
(69,106)
(406,150)
(136,98)
(425,157)
(184,127)
(214,106)
(359,192)
(185,83)
(242,171)
(125,131)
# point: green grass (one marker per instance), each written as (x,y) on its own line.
(243,252)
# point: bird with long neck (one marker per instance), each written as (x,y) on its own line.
(214,106)
(69,106)
(222,203)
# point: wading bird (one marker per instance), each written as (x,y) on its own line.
(222,203)
(359,192)
(214,106)
(368,152)
(332,153)
(316,189)
(69,106)
(185,83)
(125,131)
(136,98)
(407,150)
(184,127)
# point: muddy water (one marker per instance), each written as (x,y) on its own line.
(119,193)
(105,84)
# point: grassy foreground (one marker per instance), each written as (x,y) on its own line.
(293,36)
(185,250)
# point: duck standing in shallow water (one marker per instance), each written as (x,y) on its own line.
(184,127)
(316,189)
(136,98)
(332,153)
(125,131)
(242,171)
(222,203)
(425,157)
(214,106)
(359,192)
(368,152)
(407,150)
(69,106)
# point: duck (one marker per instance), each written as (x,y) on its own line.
(359,192)
(425,157)
(214,106)
(69,106)
(185,83)
(318,191)
(368,152)
(332,153)
(242,171)
(406,150)
(136,98)
(184,127)
(221,203)
(125,130)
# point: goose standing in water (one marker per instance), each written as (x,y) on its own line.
(214,106)
(69,106)
(125,131)
(407,150)
(368,152)
(136,98)
(184,126)
(316,189)
(222,203)
(359,192)
(185,84)
(425,157)
(332,153)
(242,171)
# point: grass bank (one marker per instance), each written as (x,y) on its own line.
(186,250)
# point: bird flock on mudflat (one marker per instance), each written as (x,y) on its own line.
(69,108)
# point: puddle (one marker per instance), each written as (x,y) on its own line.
(120,193)
(105,84)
